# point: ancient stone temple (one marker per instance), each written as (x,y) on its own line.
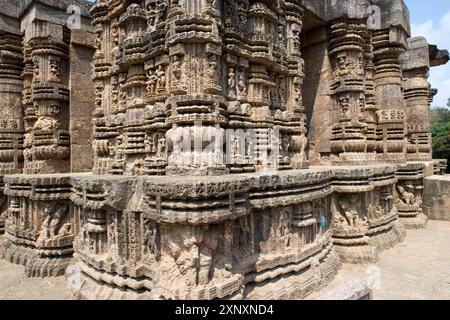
(46,92)
(242,149)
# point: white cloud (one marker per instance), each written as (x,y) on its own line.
(439,34)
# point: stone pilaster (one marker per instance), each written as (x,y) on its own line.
(389,44)
(415,66)
(347,51)
(48,140)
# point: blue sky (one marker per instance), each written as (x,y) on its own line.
(431,19)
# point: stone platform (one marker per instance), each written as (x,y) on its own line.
(416,269)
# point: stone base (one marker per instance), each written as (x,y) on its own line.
(357,254)
(298,284)
(386,240)
(89,284)
(416,222)
(35,266)
(365,250)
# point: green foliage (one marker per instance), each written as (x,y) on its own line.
(440,128)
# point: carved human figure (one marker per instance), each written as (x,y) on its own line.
(161,149)
(161,79)
(176,67)
(242,85)
(343,66)
(295,38)
(212,68)
(152,81)
(187,259)
(36,70)
(46,123)
(374,212)
(112,233)
(345,108)
(57,218)
(231,83)
(150,239)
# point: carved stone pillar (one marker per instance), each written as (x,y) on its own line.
(11,115)
(415,65)
(348,52)
(389,44)
(49,150)
(196,109)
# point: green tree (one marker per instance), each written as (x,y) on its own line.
(440,129)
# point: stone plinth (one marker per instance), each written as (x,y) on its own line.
(436,199)
(40,227)
(365,220)
(204,237)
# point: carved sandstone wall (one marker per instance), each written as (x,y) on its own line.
(241,149)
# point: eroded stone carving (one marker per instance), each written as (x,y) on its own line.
(204,127)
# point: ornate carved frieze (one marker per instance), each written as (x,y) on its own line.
(40,227)
(408,195)
(365,219)
(198,238)
(11,118)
